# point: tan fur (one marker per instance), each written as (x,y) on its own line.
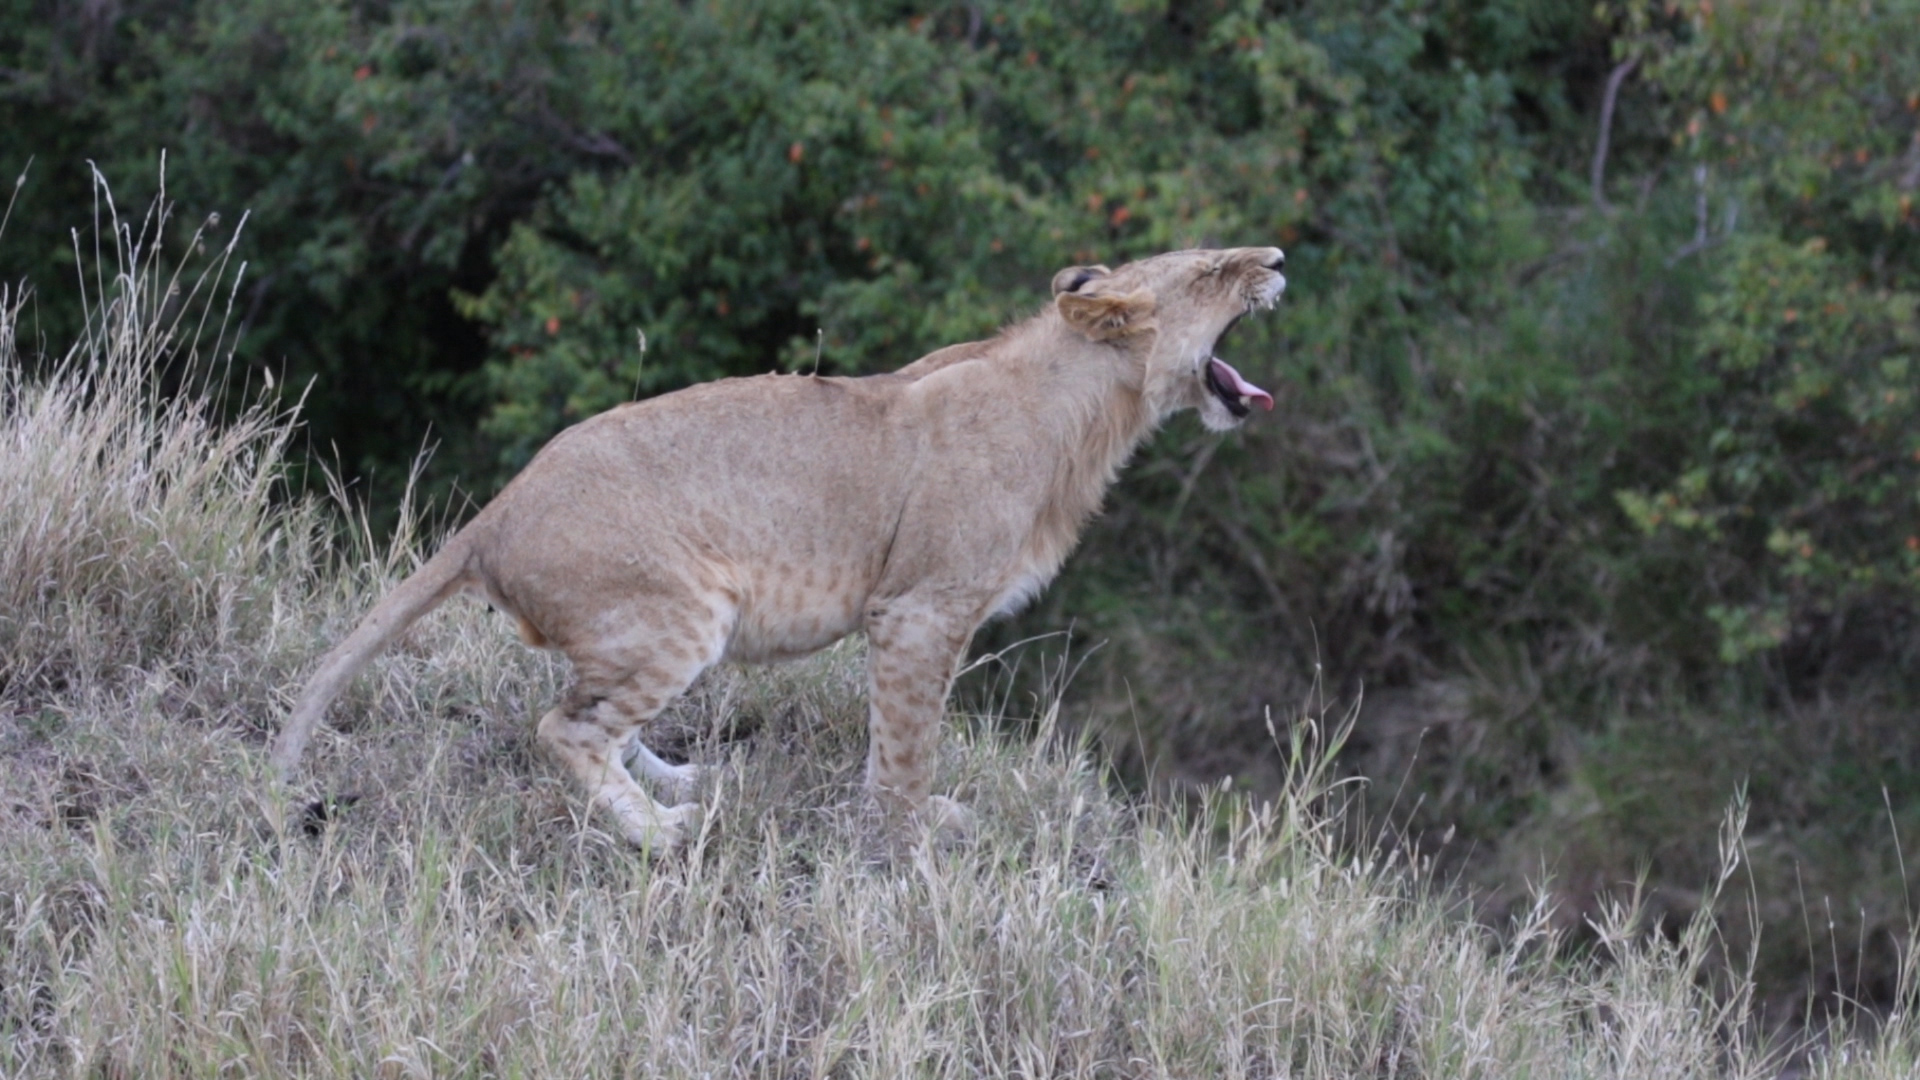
(763,518)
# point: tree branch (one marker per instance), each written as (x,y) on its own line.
(1612,96)
(1700,240)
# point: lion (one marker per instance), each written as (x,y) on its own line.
(764,518)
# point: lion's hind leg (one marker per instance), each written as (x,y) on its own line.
(597,727)
(592,753)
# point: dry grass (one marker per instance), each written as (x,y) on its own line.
(138,528)
(165,910)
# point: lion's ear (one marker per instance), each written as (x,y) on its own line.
(1103,316)
(1070,279)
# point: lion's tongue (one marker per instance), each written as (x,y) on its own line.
(1231,379)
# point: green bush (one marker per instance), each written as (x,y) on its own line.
(1799,497)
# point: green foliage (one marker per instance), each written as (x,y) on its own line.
(380,154)
(1799,498)
(1805,497)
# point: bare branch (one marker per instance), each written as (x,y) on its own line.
(1607,102)
(1699,241)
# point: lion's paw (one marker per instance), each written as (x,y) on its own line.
(664,829)
(942,815)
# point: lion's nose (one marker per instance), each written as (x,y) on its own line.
(1278,260)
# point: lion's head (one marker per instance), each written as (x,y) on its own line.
(1169,313)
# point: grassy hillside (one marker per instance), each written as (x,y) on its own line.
(433,901)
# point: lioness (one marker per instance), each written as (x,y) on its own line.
(762,518)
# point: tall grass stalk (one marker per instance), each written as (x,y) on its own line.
(137,525)
(165,910)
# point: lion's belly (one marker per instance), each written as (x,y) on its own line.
(781,620)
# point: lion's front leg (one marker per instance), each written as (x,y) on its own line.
(910,665)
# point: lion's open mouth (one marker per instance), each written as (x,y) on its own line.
(1233,391)
(1226,384)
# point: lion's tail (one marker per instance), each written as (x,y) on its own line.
(442,576)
